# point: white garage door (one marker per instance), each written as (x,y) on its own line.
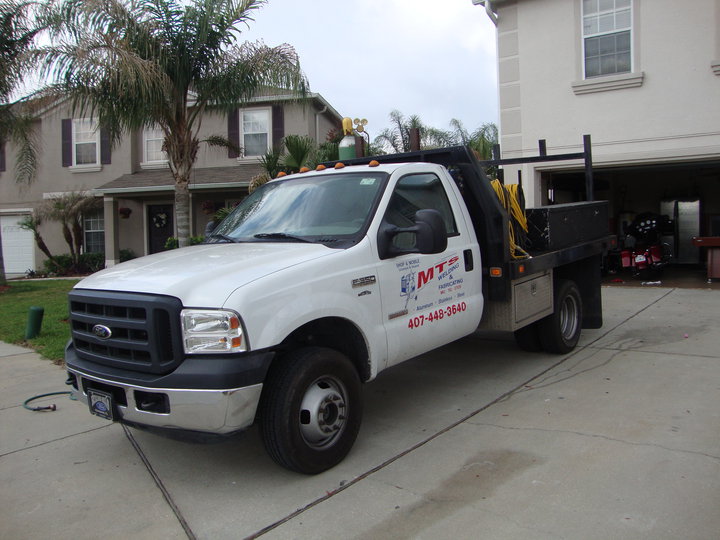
(17,246)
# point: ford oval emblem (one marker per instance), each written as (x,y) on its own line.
(103,332)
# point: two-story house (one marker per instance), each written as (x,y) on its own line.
(134,180)
(642,77)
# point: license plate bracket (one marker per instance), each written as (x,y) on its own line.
(101,404)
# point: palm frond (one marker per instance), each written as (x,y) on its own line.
(299,150)
(271,162)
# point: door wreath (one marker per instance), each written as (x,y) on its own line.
(160,220)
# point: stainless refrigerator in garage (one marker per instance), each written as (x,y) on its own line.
(685,213)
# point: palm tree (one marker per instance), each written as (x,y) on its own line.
(135,64)
(398,136)
(482,140)
(68,209)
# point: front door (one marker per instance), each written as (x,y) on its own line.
(160,226)
(428,300)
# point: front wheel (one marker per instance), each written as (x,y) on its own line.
(560,332)
(311,409)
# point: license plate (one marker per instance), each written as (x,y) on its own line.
(640,258)
(101,404)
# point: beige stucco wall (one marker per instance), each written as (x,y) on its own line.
(53,178)
(127,157)
(674,114)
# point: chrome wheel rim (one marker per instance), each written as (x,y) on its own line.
(323,412)
(569,318)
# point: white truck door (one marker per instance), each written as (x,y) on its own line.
(428,300)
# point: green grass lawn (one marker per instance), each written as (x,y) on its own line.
(51,295)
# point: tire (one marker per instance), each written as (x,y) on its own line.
(311,409)
(560,332)
(528,338)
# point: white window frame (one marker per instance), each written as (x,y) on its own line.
(95,217)
(88,167)
(585,37)
(241,117)
(149,134)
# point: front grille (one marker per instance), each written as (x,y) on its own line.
(144,330)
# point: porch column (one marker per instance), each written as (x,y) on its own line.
(112,236)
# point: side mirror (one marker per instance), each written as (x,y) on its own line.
(429,230)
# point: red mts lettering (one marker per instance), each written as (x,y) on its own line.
(449,262)
(425,277)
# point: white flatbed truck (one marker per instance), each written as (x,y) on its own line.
(313,285)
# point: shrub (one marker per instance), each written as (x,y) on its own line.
(91,262)
(127,254)
(62,265)
(59,265)
(172,242)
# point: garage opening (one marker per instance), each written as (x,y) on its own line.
(687,193)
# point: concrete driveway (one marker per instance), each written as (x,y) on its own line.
(620,439)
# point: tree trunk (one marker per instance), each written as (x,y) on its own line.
(69,240)
(182,150)
(77,231)
(43,247)
(182,211)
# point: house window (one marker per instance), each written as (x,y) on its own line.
(607,37)
(153,142)
(255,132)
(94,227)
(86,142)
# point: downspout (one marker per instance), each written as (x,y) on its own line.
(317,123)
(488,9)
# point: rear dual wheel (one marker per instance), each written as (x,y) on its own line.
(558,333)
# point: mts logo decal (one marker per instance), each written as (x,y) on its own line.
(425,276)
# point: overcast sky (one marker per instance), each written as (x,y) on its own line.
(433,58)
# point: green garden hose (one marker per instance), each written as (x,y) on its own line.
(50,408)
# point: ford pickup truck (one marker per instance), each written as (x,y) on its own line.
(311,287)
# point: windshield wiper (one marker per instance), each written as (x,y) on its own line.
(224,237)
(282,236)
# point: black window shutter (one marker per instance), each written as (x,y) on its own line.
(2,156)
(66,141)
(278,125)
(105,147)
(234,133)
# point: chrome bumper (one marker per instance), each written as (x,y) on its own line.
(210,411)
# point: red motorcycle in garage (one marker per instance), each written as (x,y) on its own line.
(645,254)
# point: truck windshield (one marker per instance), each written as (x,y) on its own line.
(325,208)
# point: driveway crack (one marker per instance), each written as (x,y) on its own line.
(159,483)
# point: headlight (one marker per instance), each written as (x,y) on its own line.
(212,331)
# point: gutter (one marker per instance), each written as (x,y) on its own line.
(488,9)
(170,187)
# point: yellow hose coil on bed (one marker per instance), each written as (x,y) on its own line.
(509,197)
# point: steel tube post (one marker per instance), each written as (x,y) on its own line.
(589,184)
